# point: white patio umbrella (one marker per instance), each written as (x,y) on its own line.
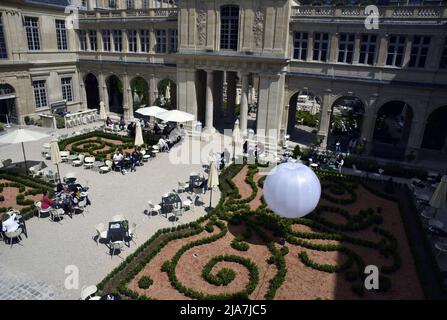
(20,136)
(138,135)
(439,198)
(55,155)
(213,179)
(102,111)
(237,140)
(175,116)
(150,111)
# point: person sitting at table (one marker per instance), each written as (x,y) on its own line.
(46,202)
(135,157)
(109,123)
(163,145)
(157,129)
(117,160)
(122,123)
(9,223)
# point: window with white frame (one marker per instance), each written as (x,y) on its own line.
(82,40)
(144,40)
(173,38)
(130,4)
(93,40)
(321,46)
(160,36)
(67,89)
(112,4)
(396,50)
(346,47)
(300,45)
(132,40)
(61,35)
(145,4)
(117,41)
(419,51)
(40,94)
(368,45)
(443,61)
(106,44)
(3,51)
(32,33)
(229,27)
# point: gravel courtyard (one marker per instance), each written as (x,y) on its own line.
(40,265)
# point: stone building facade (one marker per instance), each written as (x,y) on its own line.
(210,49)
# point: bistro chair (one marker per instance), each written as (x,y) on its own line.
(13,235)
(116,246)
(132,233)
(101,233)
(107,167)
(38,206)
(88,292)
(153,208)
(88,162)
(79,162)
(56,214)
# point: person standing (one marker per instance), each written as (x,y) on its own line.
(340,164)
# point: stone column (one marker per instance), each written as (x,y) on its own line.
(231,94)
(218,93)
(407,53)
(368,125)
(82,93)
(103,93)
(310,46)
(325,118)
(244,104)
(416,135)
(333,47)
(153,90)
(209,128)
(99,41)
(127,98)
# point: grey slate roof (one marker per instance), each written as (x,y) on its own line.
(62,3)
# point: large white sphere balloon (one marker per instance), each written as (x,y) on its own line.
(292,190)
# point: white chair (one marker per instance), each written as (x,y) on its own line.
(132,230)
(81,206)
(101,234)
(88,162)
(107,167)
(79,162)
(13,235)
(182,186)
(38,206)
(88,292)
(64,155)
(116,246)
(146,156)
(95,298)
(188,203)
(153,208)
(56,214)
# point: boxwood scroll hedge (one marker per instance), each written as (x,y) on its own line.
(338,192)
(26,186)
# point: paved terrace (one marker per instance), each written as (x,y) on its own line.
(36,268)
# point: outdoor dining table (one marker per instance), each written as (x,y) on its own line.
(117,231)
(196,181)
(169,202)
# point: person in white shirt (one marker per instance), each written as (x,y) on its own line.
(340,164)
(9,224)
(117,159)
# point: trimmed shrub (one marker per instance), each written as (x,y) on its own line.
(145,282)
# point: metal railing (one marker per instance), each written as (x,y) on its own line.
(134,13)
(397,12)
